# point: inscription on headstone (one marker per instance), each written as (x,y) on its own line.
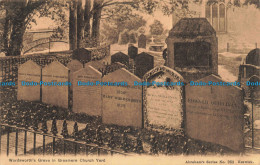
(143,63)
(122,104)
(215,113)
(56,91)
(87,96)
(163,101)
(120,57)
(74,66)
(132,52)
(142,41)
(29,73)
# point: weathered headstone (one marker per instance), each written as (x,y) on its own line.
(192,48)
(120,57)
(163,99)
(55,89)
(142,41)
(82,54)
(74,65)
(29,77)
(214,113)
(96,64)
(143,63)
(87,91)
(122,104)
(132,52)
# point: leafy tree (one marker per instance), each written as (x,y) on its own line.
(19,15)
(156,28)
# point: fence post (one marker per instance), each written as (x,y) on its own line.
(44,130)
(16,141)
(65,134)
(35,128)
(54,132)
(7,145)
(26,125)
(227,47)
(76,135)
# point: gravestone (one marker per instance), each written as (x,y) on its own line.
(215,113)
(30,73)
(132,51)
(87,97)
(96,64)
(253,57)
(120,57)
(143,63)
(122,105)
(82,54)
(192,48)
(162,102)
(57,91)
(142,41)
(74,65)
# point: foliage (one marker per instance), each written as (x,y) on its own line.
(118,19)
(156,28)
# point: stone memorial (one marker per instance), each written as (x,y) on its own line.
(120,57)
(214,113)
(163,99)
(142,41)
(143,63)
(86,93)
(73,65)
(55,89)
(132,51)
(96,64)
(192,48)
(82,54)
(122,101)
(29,74)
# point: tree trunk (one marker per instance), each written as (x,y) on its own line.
(96,21)
(73,25)
(7,31)
(16,43)
(87,17)
(80,24)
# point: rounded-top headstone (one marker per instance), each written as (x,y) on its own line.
(120,57)
(253,57)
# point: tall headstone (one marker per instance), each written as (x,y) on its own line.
(55,89)
(143,63)
(29,77)
(192,48)
(122,101)
(132,51)
(142,41)
(120,57)
(163,99)
(87,91)
(74,65)
(214,113)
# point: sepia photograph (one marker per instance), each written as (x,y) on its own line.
(129,82)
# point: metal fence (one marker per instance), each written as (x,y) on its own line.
(64,137)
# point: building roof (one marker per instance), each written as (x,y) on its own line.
(191,28)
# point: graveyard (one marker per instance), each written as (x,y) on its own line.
(179,95)
(126,119)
